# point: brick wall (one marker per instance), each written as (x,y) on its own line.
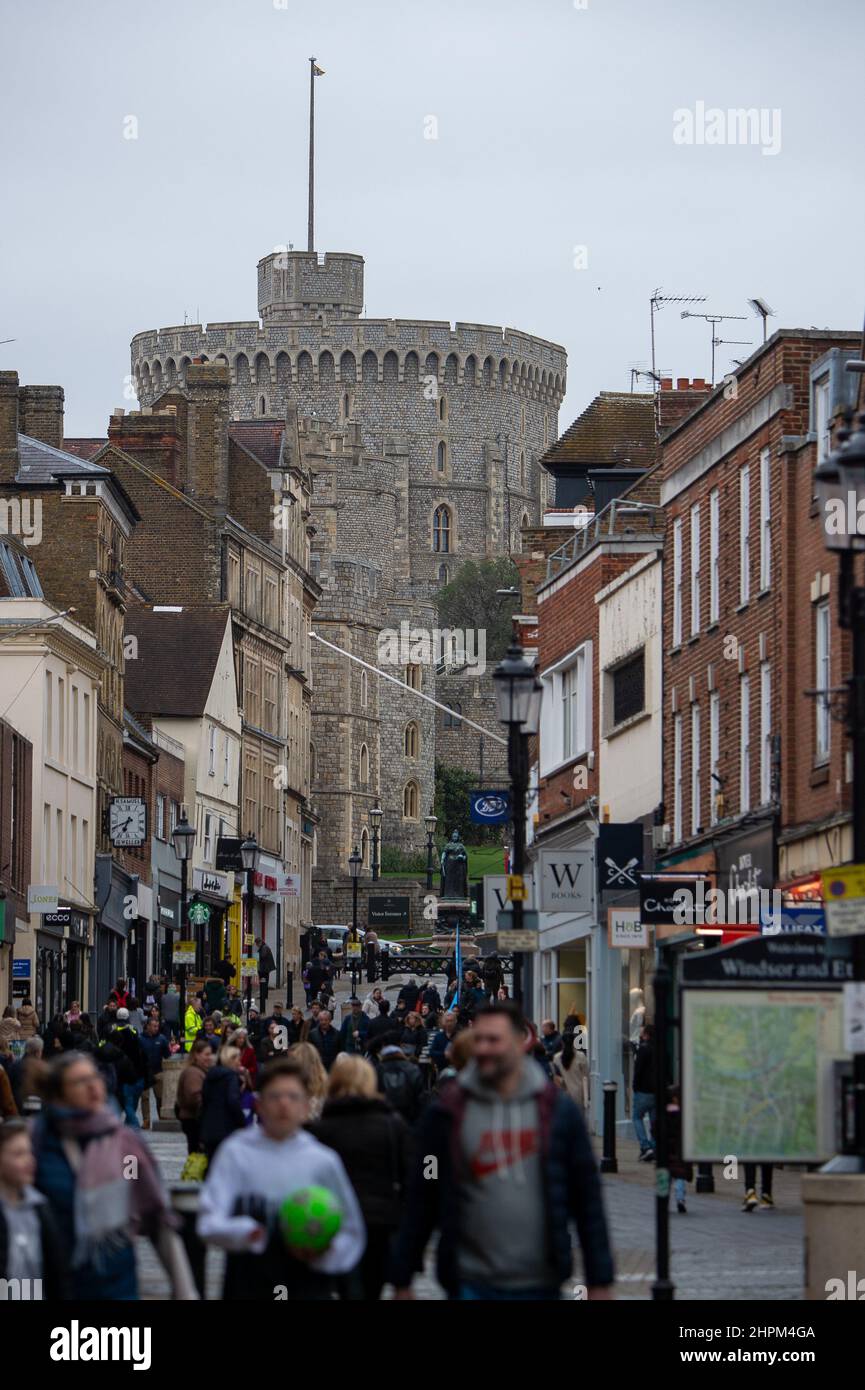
(776,624)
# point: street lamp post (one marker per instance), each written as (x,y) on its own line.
(430,822)
(250,853)
(183,840)
(375,816)
(355,863)
(840,484)
(518,705)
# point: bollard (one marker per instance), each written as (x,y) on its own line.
(184,1200)
(609,1163)
(705,1178)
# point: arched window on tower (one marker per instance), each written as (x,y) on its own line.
(262,405)
(444,574)
(442,530)
(411,740)
(413,676)
(364,764)
(364,690)
(410,801)
(443,408)
(441,457)
(364,847)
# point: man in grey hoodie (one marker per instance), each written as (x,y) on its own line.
(513,1167)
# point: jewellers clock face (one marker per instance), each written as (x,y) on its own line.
(127,821)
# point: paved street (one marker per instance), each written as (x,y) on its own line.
(717,1251)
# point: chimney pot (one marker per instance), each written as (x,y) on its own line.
(682,383)
(667,383)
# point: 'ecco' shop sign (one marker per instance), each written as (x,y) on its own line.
(567,878)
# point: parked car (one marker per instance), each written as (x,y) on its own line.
(335,936)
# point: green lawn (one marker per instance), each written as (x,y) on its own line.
(483,859)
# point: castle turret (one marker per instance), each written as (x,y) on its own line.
(301,285)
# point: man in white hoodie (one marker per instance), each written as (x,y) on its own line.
(254,1170)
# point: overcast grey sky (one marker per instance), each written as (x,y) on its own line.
(555,131)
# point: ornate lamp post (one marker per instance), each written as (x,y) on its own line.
(355,864)
(183,840)
(375,816)
(518,705)
(250,853)
(430,822)
(840,484)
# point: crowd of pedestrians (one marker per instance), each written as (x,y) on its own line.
(354,1099)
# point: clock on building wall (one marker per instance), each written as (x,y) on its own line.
(127,821)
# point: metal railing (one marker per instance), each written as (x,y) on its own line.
(609,526)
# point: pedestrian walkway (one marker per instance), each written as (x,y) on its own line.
(718,1252)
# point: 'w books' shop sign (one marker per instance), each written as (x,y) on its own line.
(567,880)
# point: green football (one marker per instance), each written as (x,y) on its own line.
(310,1218)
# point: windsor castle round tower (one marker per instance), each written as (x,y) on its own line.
(425,440)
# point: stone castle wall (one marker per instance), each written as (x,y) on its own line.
(403,418)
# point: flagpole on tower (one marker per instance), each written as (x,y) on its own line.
(314,72)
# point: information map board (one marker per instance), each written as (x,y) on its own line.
(757,1068)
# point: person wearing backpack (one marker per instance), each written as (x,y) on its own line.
(401,1083)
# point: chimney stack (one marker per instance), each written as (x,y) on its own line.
(40,413)
(8,427)
(207,387)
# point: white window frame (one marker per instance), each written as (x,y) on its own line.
(226,761)
(677,582)
(695,569)
(211,751)
(160,816)
(208,837)
(822,660)
(696,770)
(714,555)
(765,519)
(714,754)
(677,778)
(765,733)
(553,743)
(744,743)
(745,533)
(822,416)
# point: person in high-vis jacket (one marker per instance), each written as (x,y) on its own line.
(192,1022)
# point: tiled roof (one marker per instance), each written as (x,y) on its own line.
(261,437)
(83,448)
(177,654)
(616,428)
(42,463)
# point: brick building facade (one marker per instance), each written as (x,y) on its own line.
(756,782)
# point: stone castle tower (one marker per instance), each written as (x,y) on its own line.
(424,439)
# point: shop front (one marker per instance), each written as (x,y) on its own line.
(77,955)
(117,899)
(165,928)
(49,996)
(215,890)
